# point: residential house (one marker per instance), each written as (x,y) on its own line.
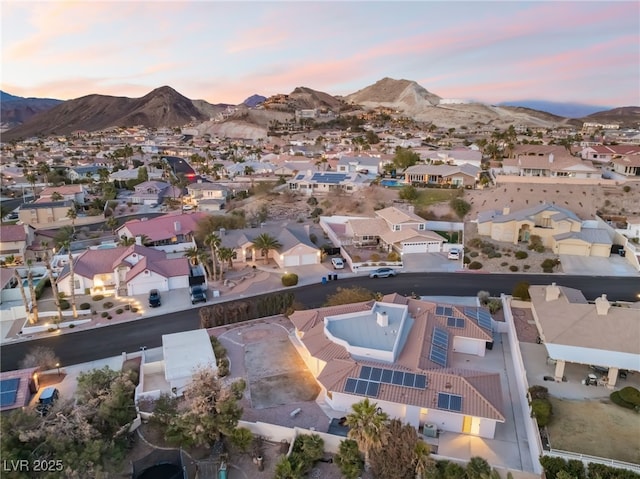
(604,154)
(206,196)
(312,183)
(465,175)
(296,249)
(555,163)
(14,241)
(559,229)
(17,388)
(170,233)
(91,172)
(125,271)
(368,165)
(403,354)
(154,192)
(75,193)
(46,214)
(392,229)
(627,165)
(153,174)
(457,157)
(573,330)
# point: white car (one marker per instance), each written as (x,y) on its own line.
(337,263)
(454,254)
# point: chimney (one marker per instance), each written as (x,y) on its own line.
(506,210)
(552,292)
(222,231)
(550,157)
(307,230)
(139,240)
(176,226)
(602,305)
(382,319)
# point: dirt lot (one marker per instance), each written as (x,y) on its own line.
(597,428)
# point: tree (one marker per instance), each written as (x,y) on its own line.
(25,300)
(422,460)
(225,256)
(32,293)
(63,240)
(349,459)
(405,157)
(56,196)
(72,214)
(396,460)
(408,193)
(126,241)
(460,206)
(521,291)
(286,468)
(52,281)
(478,468)
(266,243)
(213,241)
(112,223)
(40,357)
(143,174)
(192,255)
(210,411)
(368,427)
(355,294)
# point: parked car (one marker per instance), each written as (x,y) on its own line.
(47,399)
(382,273)
(338,263)
(198,295)
(154,298)
(454,253)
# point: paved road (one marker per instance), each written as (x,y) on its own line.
(89,345)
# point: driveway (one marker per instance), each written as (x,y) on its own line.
(596,266)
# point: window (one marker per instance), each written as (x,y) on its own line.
(396,227)
(421,227)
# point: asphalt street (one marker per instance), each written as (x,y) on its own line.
(90,345)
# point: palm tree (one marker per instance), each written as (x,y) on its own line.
(56,196)
(213,241)
(63,239)
(22,292)
(32,293)
(478,468)
(266,243)
(225,255)
(126,241)
(422,460)
(53,281)
(192,255)
(203,258)
(32,179)
(112,223)
(368,427)
(72,214)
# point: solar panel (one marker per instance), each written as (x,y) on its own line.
(350,386)
(444,311)
(387,375)
(421,381)
(455,322)
(376,374)
(365,372)
(443,401)
(299,177)
(440,338)
(409,379)
(438,355)
(361,387)
(481,316)
(450,402)
(9,391)
(372,389)
(398,377)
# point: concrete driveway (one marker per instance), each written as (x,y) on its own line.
(595,266)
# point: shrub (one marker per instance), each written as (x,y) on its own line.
(107,305)
(393,256)
(127,307)
(548,265)
(98,297)
(109,317)
(538,392)
(617,399)
(475,265)
(602,471)
(312,201)
(460,206)
(631,395)
(64,304)
(513,268)
(71,326)
(466,259)
(85,306)
(474,254)
(104,314)
(475,243)
(494,305)
(503,264)
(119,311)
(541,410)
(408,193)
(521,291)
(494,254)
(218,349)
(313,238)
(526,267)
(626,188)
(223,367)
(521,254)
(289,279)
(134,310)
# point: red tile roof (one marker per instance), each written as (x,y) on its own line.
(163,227)
(9,233)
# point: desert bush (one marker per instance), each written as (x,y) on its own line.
(631,395)
(223,367)
(134,310)
(119,311)
(64,304)
(98,297)
(521,291)
(408,193)
(127,307)
(107,305)
(393,256)
(626,188)
(85,306)
(289,279)
(548,265)
(521,254)
(312,201)
(475,265)
(474,243)
(460,206)
(494,305)
(513,268)
(313,238)
(483,296)
(602,471)
(504,263)
(474,254)
(538,392)
(526,267)
(494,254)
(466,259)
(104,314)
(616,399)
(541,409)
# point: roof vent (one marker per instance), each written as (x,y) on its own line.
(602,305)
(552,292)
(382,319)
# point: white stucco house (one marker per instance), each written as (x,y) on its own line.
(401,353)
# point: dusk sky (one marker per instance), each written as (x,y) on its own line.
(586,52)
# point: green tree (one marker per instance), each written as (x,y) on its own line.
(286,468)
(143,174)
(192,254)
(478,468)
(354,294)
(126,241)
(368,427)
(53,281)
(56,196)
(349,459)
(72,214)
(521,291)
(422,460)
(213,241)
(460,206)
(266,243)
(32,293)
(111,223)
(225,256)
(409,193)
(405,157)
(63,238)
(396,460)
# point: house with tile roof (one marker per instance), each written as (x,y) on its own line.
(603,154)
(366,164)
(403,352)
(574,330)
(627,165)
(75,193)
(125,271)
(207,196)
(464,175)
(170,233)
(559,229)
(296,249)
(313,183)
(14,241)
(153,192)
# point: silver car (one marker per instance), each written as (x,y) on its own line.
(382,273)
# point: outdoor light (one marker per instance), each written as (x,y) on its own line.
(58,366)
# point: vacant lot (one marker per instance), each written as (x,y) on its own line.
(597,428)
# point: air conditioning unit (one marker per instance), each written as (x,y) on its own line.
(430,430)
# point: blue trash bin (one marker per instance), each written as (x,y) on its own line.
(324,280)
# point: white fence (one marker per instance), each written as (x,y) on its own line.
(586,459)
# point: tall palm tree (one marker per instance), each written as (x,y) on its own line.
(203,258)
(213,241)
(368,427)
(64,239)
(53,281)
(22,292)
(112,223)
(265,243)
(72,214)
(126,241)
(422,460)
(32,293)
(225,255)
(192,255)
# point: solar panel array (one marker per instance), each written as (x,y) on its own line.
(334,178)
(368,384)
(439,347)
(450,402)
(362,387)
(480,315)
(444,311)
(299,177)
(455,322)
(9,391)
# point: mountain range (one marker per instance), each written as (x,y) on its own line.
(166,107)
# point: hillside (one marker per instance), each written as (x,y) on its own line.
(402,95)
(161,107)
(626,116)
(16,110)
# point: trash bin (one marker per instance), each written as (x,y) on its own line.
(335,277)
(324,280)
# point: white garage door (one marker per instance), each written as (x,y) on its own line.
(466,346)
(433,246)
(417,247)
(144,288)
(573,249)
(293,260)
(311,258)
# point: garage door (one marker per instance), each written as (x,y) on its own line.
(143,288)
(310,258)
(581,250)
(418,247)
(433,246)
(293,260)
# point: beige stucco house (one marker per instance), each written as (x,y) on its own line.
(559,229)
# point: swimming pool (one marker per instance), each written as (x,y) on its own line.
(392,183)
(25,282)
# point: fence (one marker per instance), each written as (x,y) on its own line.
(585,458)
